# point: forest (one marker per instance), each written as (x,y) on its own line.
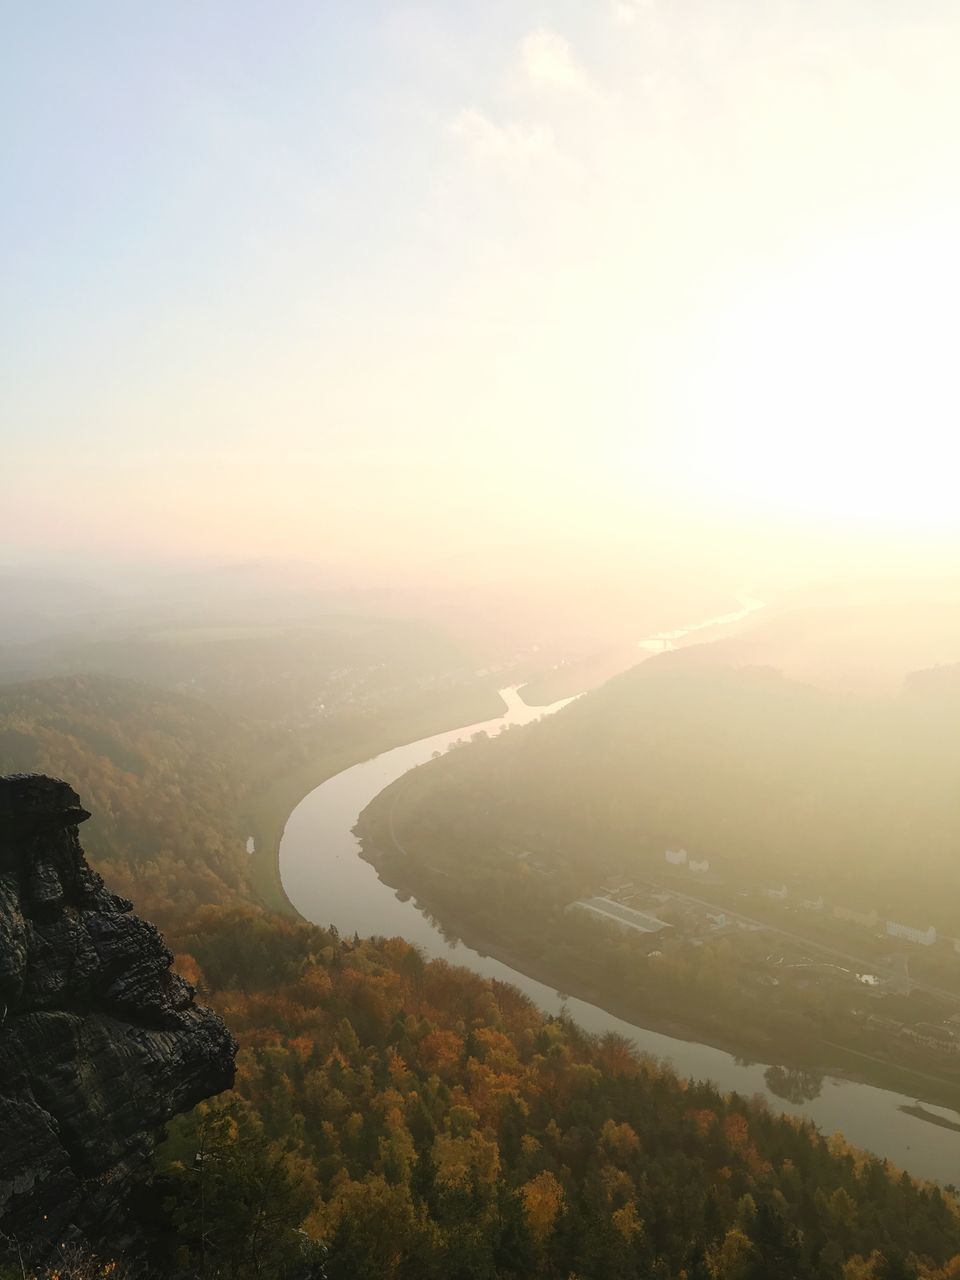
(767,779)
(758,773)
(394,1118)
(176,784)
(161,773)
(397,1118)
(311,665)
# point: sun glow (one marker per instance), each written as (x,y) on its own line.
(832,392)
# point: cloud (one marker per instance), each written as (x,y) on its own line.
(625,13)
(511,149)
(490,141)
(548,62)
(526,140)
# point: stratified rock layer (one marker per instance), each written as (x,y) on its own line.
(100,1043)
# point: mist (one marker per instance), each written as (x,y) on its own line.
(478,574)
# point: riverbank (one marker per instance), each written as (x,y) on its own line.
(268,805)
(750,1045)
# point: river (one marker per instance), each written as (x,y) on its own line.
(329,883)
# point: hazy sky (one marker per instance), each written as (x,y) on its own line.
(447,283)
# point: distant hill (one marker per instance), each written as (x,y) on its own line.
(941,682)
(867,648)
(763,775)
(269,672)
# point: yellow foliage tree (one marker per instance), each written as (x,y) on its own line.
(628,1222)
(543,1202)
(860,1268)
(842,1209)
(730,1259)
(461,1162)
(619,1141)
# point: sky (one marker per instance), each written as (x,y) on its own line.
(447,289)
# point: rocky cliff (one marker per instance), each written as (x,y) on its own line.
(100,1043)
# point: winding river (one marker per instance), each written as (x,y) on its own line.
(329,883)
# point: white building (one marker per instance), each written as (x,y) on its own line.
(778,895)
(925,937)
(698,868)
(616,913)
(676,857)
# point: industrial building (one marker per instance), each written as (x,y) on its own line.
(617,914)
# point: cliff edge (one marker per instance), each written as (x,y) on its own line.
(100,1043)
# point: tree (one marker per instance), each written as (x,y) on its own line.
(371,1227)
(238,1202)
(729,1260)
(543,1201)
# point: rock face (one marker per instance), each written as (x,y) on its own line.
(100,1043)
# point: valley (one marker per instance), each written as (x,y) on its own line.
(862,1095)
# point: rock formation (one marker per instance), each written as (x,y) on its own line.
(100,1043)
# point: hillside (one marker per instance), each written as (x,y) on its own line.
(178,784)
(162,775)
(830,800)
(422,1122)
(398,1119)
(764,776)
(297,672)
(390,1119)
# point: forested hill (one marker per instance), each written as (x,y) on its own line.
(761,775)
(160,773)
(408,1121)
(177,783)
(421,1123)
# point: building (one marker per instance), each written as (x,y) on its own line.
(617,914)
(813,904)
(676,857)
(698,868)
(939,1034)
(778,895)
(924,937)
